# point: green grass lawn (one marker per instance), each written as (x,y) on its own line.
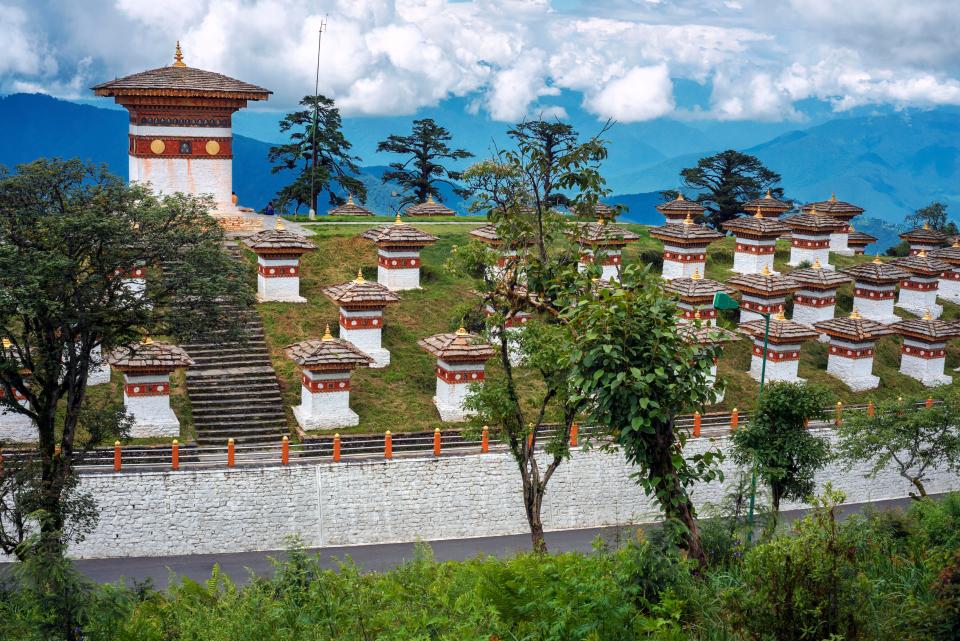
(326,220)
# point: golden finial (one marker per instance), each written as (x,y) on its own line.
(359,278)
(429,198)
(833,197)
(766,270)
(696,314)
(926,315)
(327,336)
(461,331)
(349,199)
(279,226)
(876,260)
(956,242)
(178,57)
(147,340)
(397,220)
(680,196)
(813,209)
(855,314)
(601,220)
(696,274)
(816,264)
(6,343)
(688,220)
(758,214)
(922,253)
(850,228)
(780,316)
(769,195)
(926,225)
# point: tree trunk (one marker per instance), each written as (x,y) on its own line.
(674,501)
(533,495)
(921,491)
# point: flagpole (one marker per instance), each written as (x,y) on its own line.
(313,143)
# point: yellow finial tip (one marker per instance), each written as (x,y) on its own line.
(359,278)
(462,331)
(758,214)
(816,264)
(349,199)
(833,197)
(178,56)
(6,343)
(780,316)
(688,220)
(813,209)
(696,274)
(855,314)
(147,341)
(926,224)
(956,242)
(429,198)
(922,253)
(279,224)
(680,196)
(769,195)
(397,220)
(927,315)
(876,260)
(766,270)
(696,314)
(327,336)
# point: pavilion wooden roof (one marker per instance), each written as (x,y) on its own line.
(782,331)
(149,356)
(602,233)
(756,226)
(764,284)
(876,271)
(860,239)
(360,292)
(814,223)
(280,241)
(949,254)
(398,234)
(927,329)
(458,347)
(679,207)
(924,235)
(707,334)
(429,208)
(767,206)
(350,208)
(327,354)
(181,80)
(816,277)
(696,288)
(834,207)
(685,233)
(853,328)
(922,264)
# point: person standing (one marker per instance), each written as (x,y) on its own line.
(269,210)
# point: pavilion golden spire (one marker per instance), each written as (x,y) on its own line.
(429,198)
(462,331)
(926,224)
(817,265)
(758,214)
(327,336)
(696,314)
(349,199)
(397,221)
(680,196)
(766,270)
(922,253)
(769,195)
(813,209)
(147,340)
(780,315)
(6,343)
(359,279)
(279,225)
(696,274)
(927,316)
(688,220)
(855,314)
(178,57)
(833,197)
(876,260)
(956,242)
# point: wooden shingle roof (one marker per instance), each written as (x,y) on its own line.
(817,277)
(706,334)
(856,238)
(398,234)
(350,208)
(685,233)
(924,235)
(279,240)
(927,328)
(360,292)
(768,206)
(458,347)
(150,356)
(765,283)
(429,208)
(922,264)
(756,226)
(327,353)
(696,287)
(782,331)
(815,223)
(876,271)
(834,207)
(602,233)
(679,207)
(949,254)
(853,328)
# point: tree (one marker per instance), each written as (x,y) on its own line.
(68,233)
(335,169)
(726,180)
(510,188)
(421,173)
(636,371)
(934,216)
(550,140)
(777,443)
(915,439)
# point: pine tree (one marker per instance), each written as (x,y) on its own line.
(421,172)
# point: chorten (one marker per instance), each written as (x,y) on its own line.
(361,315)
(918,293)
(325,385)
(874,288)
(181,137)
(677,210)
(950,278)
(756,242)
(488,235)
(430,207)
(602,242)
(768,206)
(398,253)
(924,349)
(810,237)
(763,293)
(842,211)
(857,241)
(684,247)
(708,335)
(817,296)
(460,363)
(146,385)
(924,238)
(696,297)
(852,346)
(278,263)
(350,208)
(783,347)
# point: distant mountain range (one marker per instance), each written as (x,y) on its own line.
(891,164)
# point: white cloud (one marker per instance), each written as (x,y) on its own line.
(642,93)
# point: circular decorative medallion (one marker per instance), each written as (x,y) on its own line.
(212,147)
(157,146)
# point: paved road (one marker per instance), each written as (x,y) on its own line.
(241,565)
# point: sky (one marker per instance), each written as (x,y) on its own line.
(630,60)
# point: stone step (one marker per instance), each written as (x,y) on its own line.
(253,393)
(217,415)
(230,362)
(227,400)
(274,431)
(225,350)
(232,373)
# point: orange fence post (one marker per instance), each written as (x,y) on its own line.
(929,402)
(175,455)
(388,445)
(436,441)
(696,424)
(838,415)
(574,434)
(1,460)
(336,448)
(870,408)
(116,456)
(734,419)
(485,440)
(285,450)
(230,453)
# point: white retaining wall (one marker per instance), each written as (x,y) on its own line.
(379,501)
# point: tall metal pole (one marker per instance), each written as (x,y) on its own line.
(313,144)
(763,375)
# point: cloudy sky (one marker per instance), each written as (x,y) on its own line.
(755,59)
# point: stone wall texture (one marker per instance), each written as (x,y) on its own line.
(380,501)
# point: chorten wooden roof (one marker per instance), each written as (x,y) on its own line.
(458,347)
(488,234)
(764,284)
(180,80)
(816,277)
(768,206)
(150,356)
(706,334)
(815,222)
(949,254)
(857,238)
(876,271)
(834,207)
(361,293)
(756,227)
(429,208)
(327,354)
(927,328)
(922,264)
(696,288)
(782,331)
(854,328)
(278,240)
(679,207)
(924,235)
(398,234)
(350,208)
(685,233)
(602,233)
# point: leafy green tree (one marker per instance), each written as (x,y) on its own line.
(933,215)
(636,370)
(68,232)
(726,180)
(329,167)
(777,443)
(512,190)
(915,440)
(421,173)
(550,141)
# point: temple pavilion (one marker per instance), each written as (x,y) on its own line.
(278,253)
(398,253)
(852,346)
(696,296)
(763,293)
(460,362)
(817,296)
(783,347)
(350,208)
(756,242)
(857,241)
(768,206)
(430,207)
(706,335)
(918,292)
(874,288)
(950,278)
(361,304)
(924,350)
(602,242)
(924,238)
(487,234)
(678,209)
(684,247)
(181,136)
(843,211)
(810,237)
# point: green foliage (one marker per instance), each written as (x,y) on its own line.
(726,180)
(329,166)
(777,443)
(915,441)
(420,173)
(934,216)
